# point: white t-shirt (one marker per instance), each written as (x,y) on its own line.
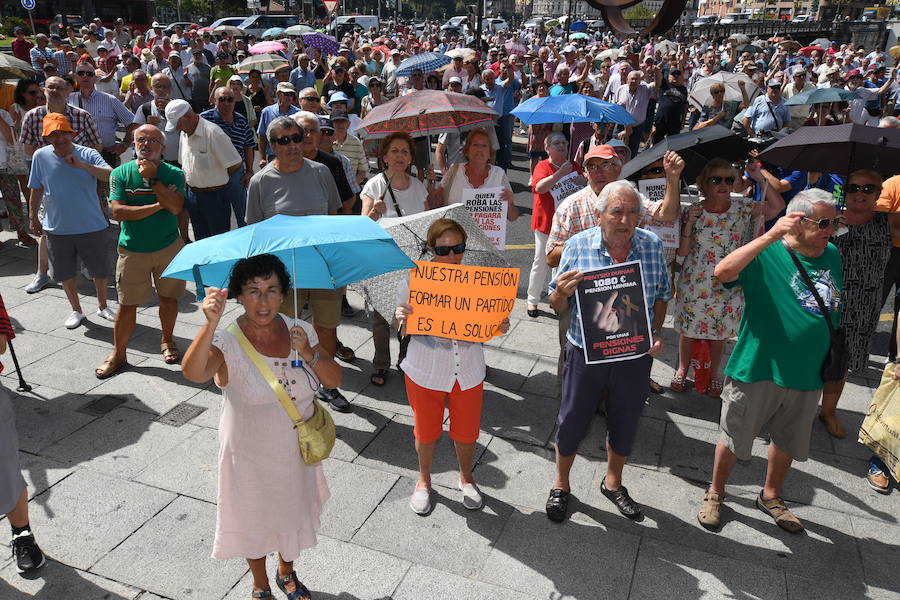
(411,200)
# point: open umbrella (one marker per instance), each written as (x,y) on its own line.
(325,43)
(822,95)
(578,26)
(14,68)
(322,251)
(551,24)
(740,38)
(789,45)
(748,48)
(513,47)
(298,30)
(823,42)
(272,32)
(230,30)
(808,50)
(463,53)
(267,63)
(894,52)
(571,108)
(426,112)
(611,53)
(700,96)
(410,232)
(425,62)
(266,48)
(666,47)
(696,148)
(838,149)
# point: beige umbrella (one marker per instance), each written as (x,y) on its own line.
(230,30)
(14,68)
(700,96)
(464,53)
(789,45)
(611,53)
(894,52)
(267,63)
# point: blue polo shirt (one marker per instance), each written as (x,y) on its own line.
(504,97)
(266,116)
(71,205)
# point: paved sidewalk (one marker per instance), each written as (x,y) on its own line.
(123,502)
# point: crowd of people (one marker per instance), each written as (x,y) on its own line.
(216,145)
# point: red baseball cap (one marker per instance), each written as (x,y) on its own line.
(605,151)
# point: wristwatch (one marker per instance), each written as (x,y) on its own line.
(315,359)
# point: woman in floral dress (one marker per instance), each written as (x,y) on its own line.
(704,309)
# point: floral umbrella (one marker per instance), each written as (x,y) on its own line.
(426,112)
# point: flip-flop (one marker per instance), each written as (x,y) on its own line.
(110,367)
(171,353)
(379,375)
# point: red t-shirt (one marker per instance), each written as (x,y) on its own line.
(544,207)
(22,49)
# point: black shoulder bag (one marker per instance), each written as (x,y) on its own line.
(834,367)
(393,197)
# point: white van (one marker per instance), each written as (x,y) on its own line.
(257,24)
(364,21)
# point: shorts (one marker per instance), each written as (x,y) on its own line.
(325,306)
(787,414)
(428,412)
(628,382)
(135,270)
(64,250)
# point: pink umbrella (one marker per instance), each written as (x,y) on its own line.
(266,48)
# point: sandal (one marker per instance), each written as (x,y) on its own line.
(655,388)
(776,509)
(300,590)
(379,377)
(710,513)
(171,353)
(344,353)
(262,594)
(110,367)
(677,384)
(715,388)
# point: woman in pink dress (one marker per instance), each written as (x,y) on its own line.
(269,500)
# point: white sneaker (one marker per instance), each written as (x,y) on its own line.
(471,497)
(74,320)
(420,503)
(107,314)
(40,281)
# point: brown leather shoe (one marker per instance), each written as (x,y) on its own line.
(710,513)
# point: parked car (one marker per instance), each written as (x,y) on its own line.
(257,24)
(233,21)
(734,19)
(364,21)
(802,19)
(704,20)
(457,21)
(170,29)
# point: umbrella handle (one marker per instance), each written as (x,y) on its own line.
(198,280)
(295,361)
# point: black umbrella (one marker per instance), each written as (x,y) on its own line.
(837,149)
(748,48)
(696,148)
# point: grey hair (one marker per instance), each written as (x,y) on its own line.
(561,69)
(302,116)
(486,72)
(889,122)
(553,136)
(280,123)
(613,188)
(803,202)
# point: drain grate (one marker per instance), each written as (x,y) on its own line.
(181,414)
(101,406)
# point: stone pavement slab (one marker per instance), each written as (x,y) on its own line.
(356,491)
(45,416)
(356,430)
(41,473)
(425,582)
(518,415)
(181,566)
(72,368)
(56,580)
(170,388)
(188,469)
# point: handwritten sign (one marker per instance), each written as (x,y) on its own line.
(489,212)
(565,187)
(655,190)
(459,301)
(615,319)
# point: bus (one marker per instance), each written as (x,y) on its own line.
(138,14)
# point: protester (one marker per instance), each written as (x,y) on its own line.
(254,427)
(284,107)
(774,373)
(431,382)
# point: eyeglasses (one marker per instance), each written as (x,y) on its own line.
(295,138)
(310,98)
(590,168)
(445,250)
(145,140)
(654,171)
(716,180)
(826,223)
(867,188)
(228,99)
(85,73)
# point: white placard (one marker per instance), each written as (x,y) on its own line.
(489,212)
(565,187)
(655,190)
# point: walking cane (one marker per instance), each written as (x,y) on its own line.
(23,387)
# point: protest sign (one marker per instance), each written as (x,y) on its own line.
(460,302)
(565,187)
(655,190)
(489,212)
(615,320)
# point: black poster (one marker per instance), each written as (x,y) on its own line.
(615,319)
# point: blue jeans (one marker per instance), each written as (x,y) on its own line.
(504,130)
(210,211)
(237,195)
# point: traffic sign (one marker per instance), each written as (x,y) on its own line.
(28,4)
(330,5)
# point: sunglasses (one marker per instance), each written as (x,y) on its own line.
(228,99)
(310,98)
(716,180)
(445,250)
(867,188)
(84,73)
(654,171)
(825,223)
(296,138)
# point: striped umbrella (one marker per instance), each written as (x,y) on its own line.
(325,43)
(427,112)
(425,62)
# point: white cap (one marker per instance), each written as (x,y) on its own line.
(175,109)
(455,80)
(570,48)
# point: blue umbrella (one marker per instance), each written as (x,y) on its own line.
(822,95)
(273,31)
(578,26)
(426,62)
(322,251)
(571,108)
